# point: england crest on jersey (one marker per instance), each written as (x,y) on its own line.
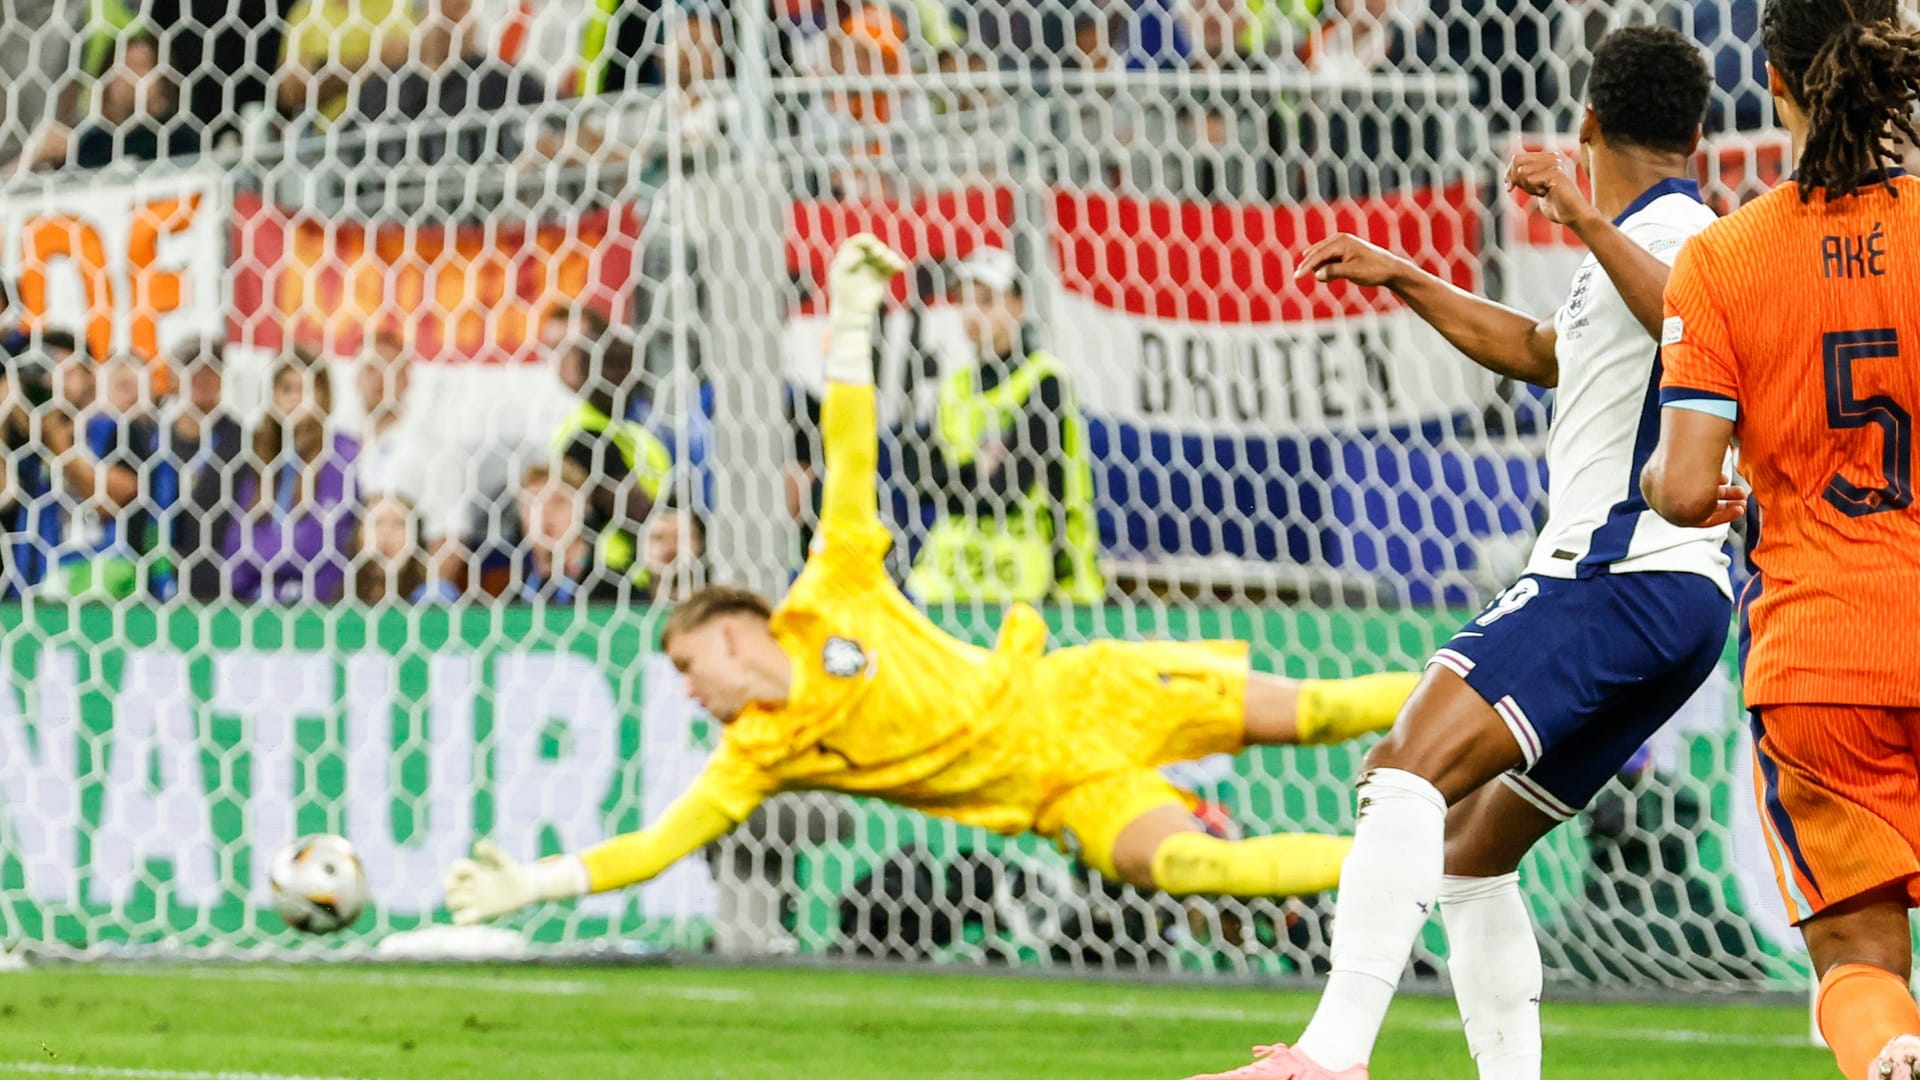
(1607,419)
(843,658)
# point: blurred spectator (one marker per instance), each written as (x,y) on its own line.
(39,42)
(1225,134)
(621,47)
(674,555)
(382,378)
(963,98)
(870,42)
(1006,462)
(402,462)
(797,25)
(1011,34)
(868,50)
(928,28)
(561,546)
(133,118)
(34,386)
(700,73)
(1097,37)
(206,447)
(1359,36)
(224,52)
(1238,33)
(295,501)
(332,47)
(564,326)
(391,565)
(112,481)
(607,424)
(1156,36)
(697,105)
(455,75)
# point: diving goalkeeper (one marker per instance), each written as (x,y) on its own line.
(846,686)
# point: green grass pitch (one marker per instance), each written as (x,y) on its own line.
(664,1023)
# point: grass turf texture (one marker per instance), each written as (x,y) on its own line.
(155,1023)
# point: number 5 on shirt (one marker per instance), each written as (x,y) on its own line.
(1845,412)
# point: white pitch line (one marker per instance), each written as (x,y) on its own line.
(46,1068)
(1197,1013)
(306,976)
(1220,1014)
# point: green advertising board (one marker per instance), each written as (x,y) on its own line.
(153,759)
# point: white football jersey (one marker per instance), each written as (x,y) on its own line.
(1607,419)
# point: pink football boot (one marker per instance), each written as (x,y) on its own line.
(1284,1063)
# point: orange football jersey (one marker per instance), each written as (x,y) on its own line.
(1801,322)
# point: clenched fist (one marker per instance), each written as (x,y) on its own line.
(858,279)
(1549,177)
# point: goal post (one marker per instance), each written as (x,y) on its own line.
(334,599)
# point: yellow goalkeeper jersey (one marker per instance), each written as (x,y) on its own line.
(882,702)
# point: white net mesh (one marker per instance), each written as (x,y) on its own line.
(379,370)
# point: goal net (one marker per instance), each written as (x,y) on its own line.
(378,375)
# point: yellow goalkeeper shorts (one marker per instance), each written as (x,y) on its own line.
(1125,709)
(1155,702)
(1086,821)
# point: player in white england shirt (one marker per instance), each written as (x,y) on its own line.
(1543,697)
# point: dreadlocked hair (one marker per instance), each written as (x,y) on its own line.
(1855,69)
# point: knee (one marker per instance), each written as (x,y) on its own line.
(1132,864)
(1870,930)
(1398,753)
(1842,947)
(1389,753)
(1453,770)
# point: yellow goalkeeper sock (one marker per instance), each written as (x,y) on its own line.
(1335,710)
(1286,865)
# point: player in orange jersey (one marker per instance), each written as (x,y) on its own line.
(847,686)
(1794,328)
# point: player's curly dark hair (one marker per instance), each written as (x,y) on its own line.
(1855,69)
(1649,87)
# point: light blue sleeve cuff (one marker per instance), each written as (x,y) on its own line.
(1720,407)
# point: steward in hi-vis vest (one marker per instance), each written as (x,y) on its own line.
(1006,462)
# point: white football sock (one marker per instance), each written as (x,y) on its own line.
(1388,886)
(1495,965)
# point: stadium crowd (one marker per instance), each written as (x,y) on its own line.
(127,479)
(90,82)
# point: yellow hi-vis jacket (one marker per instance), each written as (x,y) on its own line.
(1011,557)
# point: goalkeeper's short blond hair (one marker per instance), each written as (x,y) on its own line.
(710,603)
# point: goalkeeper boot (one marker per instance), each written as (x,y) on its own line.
(1899,1061)
(1284,1063)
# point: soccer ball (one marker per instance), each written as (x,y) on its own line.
(318,884)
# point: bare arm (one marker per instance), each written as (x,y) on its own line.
(1492,335)
(1638,274)
(1685,481)
(87,479)
(116,485)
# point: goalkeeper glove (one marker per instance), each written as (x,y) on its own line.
(491,884)
(857,284)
